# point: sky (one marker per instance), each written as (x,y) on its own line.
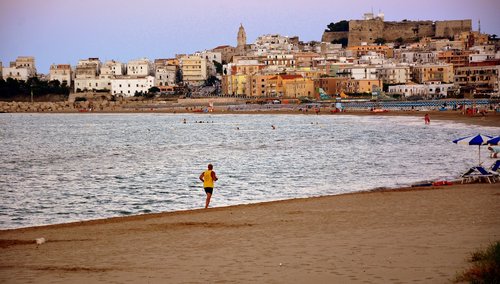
(65,31)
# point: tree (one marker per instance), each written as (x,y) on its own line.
(380,41)
(178,76)
(218,67)
(344,41)
(153,90)
(342,26)
(211,81)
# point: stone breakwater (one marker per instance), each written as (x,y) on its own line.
(121,105)
(64,106)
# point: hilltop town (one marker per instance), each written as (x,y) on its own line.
(354,59)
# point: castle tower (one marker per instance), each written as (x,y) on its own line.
(242,40)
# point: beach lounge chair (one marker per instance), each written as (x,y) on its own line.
(477,173)
(495,167)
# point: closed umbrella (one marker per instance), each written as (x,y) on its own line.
(474,140)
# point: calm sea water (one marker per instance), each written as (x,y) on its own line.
(57,168)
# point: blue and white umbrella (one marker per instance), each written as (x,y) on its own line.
(494,141)
(474,140)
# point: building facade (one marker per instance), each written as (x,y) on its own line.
(194,70)
(62,73)
(129,86)
(21,69)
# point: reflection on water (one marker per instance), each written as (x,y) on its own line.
(65,167)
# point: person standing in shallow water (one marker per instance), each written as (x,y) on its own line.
(427,119)
(208,178)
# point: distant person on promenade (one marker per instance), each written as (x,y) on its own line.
(208,178)
(427,119)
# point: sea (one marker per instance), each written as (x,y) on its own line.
(60,168)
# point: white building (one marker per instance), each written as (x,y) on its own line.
(421,57)
(210,56)
(113,68)
(359,72)
(429,90)
(140,67)
(266,44)
(21,69)
(280,60)
(130,85)
(61,72)
(394,74)
(87,75)
(165,75)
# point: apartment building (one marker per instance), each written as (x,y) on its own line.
(129,85)
(260,86)
(419,57)
(361,50)
(429,90)
(62,73)
(165,74)
(140,67)
(267,44)
(479,78)
(298,87)
(210,55)
(277,84)
(194,69)
(278,60)
(394,74)
(227,52)
(21,69)
(305,59)
(359,72)
(87,75)
(113,68)
(458,58)
(236,85)
(433,72)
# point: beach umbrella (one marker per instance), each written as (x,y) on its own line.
(478,140)
(494,141)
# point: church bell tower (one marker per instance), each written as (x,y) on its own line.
(242,40)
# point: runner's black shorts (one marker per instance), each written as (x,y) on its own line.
(209,190)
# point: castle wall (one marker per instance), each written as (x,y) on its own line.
(331,36)
(369,30)
(407,30)
(451,28)
(365,31)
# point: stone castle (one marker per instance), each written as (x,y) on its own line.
(369,30)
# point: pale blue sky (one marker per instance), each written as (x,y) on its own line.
(64,31)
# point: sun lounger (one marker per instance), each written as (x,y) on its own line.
(477,173)
(496,167)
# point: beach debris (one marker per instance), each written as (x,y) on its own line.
(40,241)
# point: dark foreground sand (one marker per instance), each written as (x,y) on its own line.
(407,236)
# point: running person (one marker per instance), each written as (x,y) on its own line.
(208,178)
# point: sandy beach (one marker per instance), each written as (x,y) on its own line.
(420,235)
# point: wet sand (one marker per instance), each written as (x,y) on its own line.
(421,235)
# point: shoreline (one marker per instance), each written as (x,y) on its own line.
(201,209)
(491,119)
(398,235)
